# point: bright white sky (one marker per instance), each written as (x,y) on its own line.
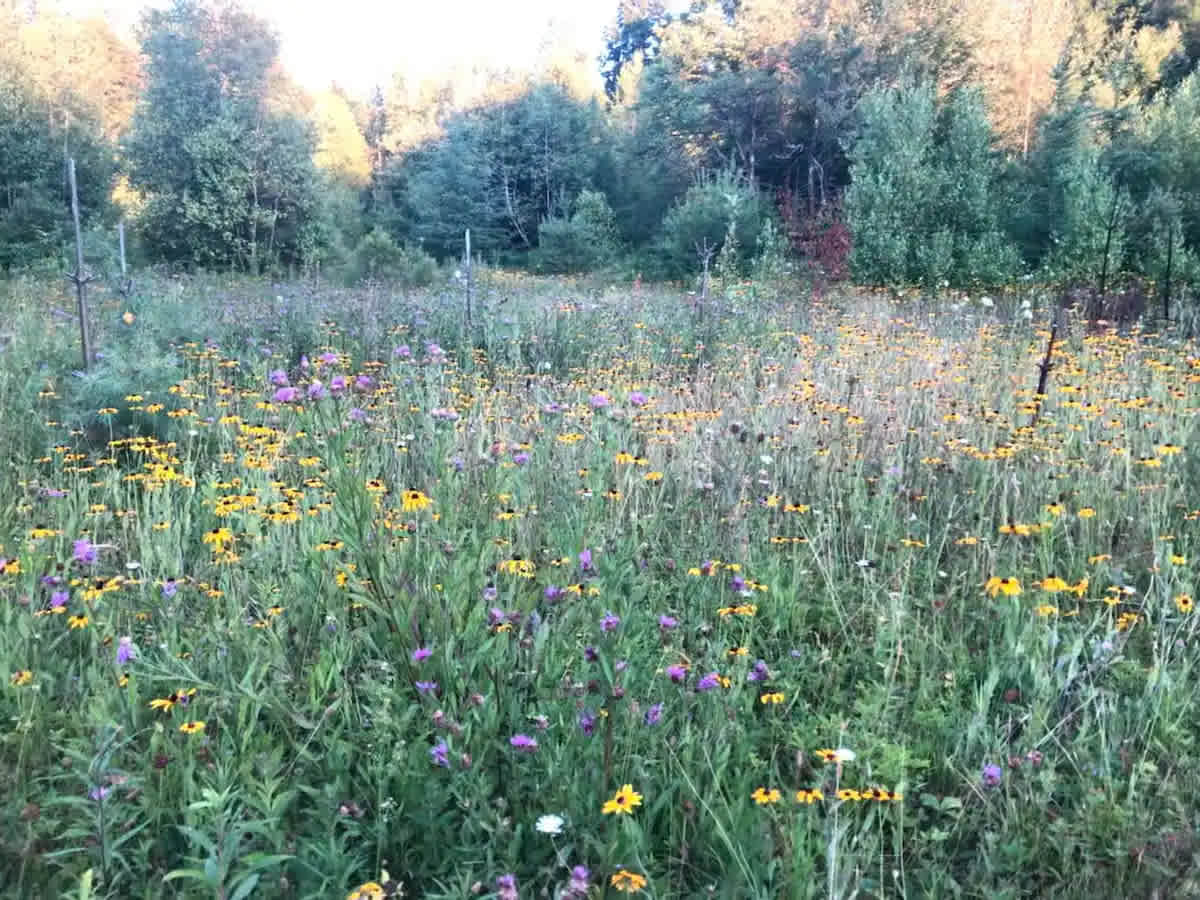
(360,43)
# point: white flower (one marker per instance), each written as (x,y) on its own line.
(842,755)
(549,824)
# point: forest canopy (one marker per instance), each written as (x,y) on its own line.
(960,143)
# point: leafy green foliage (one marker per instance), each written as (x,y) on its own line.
(584,242)
(228,181)
(725,205)
(924,198)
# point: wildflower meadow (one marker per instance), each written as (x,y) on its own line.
(314,592)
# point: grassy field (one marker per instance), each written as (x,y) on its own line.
(308,593)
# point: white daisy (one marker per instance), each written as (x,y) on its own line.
(549,824)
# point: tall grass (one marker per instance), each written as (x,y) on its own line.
(309,592)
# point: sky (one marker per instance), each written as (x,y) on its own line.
(360,43)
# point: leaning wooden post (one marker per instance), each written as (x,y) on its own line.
(467,238)
(78,277)
(121,240)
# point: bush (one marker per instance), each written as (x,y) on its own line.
(378,256)
(703,217)
(585,241)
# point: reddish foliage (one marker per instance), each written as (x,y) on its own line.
(822,238)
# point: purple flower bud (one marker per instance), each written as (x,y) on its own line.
(992,775)
(609,622)
(587,722)
(585,560)
(654,714)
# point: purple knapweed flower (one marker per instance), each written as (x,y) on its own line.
(598,401)
(304,363)
(579,885)
(609,622)
(357,414)
(737,584)
(426,687)
(85,551)
(666,623)
(337,384)
(759,672)
(506,887)
(590,654)
(285,395)
(587,722)
(99,793)
(585,560)
(992,775)
(708,682)
(421,654)
(125,650)
(170,588)
(489,594)
(316,391)
(403,351)
(654,714)
(364,382)
(279,378)
(328,357)
(523,742)
(677,673)
(439,754)
(637,398)
(60,598)
(521,458)
(553,593)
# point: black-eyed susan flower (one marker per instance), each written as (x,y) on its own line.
(810,797)
(1008,586)
(1052,584)
(765,796)
(627,882)
(413,501)
(1184,603)
(769,699)
(192,727)
(368,890)
(623,802)
(21,677)
(849,795)
(77,622)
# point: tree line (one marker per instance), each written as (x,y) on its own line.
(960,142)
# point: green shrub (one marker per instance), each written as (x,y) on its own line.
(702,219)
(377,256)
(582,243)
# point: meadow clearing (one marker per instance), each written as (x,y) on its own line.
(308,593)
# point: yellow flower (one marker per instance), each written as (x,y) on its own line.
(1009,586)
(75,622)
(654,476)
(1184,603)
(1178,560)
(21,677)
(849,794)
(627,882)
(1046,610)
(192,727)
(1052,584)
(415,500)
(1086,513)
(1053,509)
(623,802)
(128,317)
(368,890)
(762,796)
(968,541)
(775,698)
(809,797)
